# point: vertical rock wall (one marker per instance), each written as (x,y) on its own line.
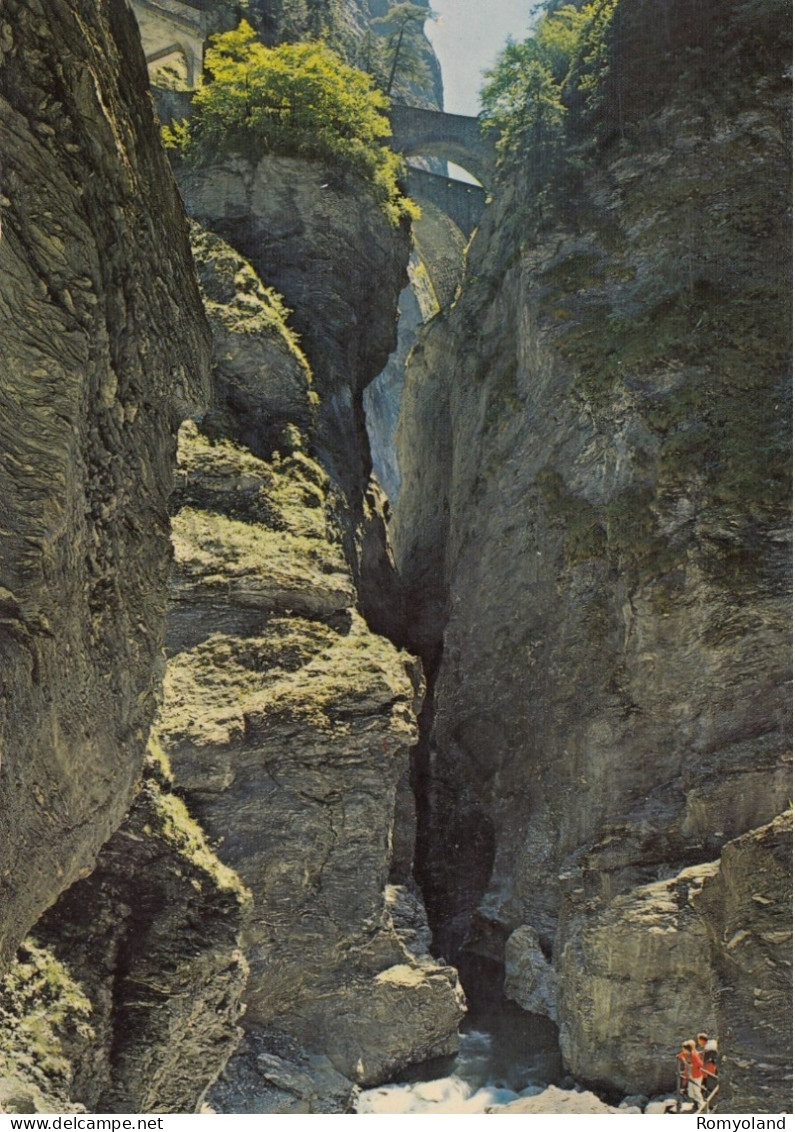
(747,910)
(593,525)
(105,349)
(301,711)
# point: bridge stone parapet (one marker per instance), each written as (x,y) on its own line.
(452,137)
(462,202)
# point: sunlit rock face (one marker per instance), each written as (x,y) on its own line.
(610,970)
(288,723)
(592,530)
(105,349)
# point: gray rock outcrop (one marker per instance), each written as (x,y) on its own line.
(105,350)
(530,979)
(628,977)
(746,908)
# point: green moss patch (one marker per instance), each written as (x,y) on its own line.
(170,821)
(234,294)
(219,550)
(44,1015)
(286,494)
(302,672)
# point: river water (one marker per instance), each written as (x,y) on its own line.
(504,1054)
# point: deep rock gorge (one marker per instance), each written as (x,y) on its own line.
(276,752)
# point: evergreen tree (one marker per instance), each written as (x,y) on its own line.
(405,22)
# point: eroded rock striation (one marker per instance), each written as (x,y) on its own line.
(593,531)
(105,350)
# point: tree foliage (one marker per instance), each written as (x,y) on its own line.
(523,94)
(393,48)
(599,71)
(297,99)
(406,22)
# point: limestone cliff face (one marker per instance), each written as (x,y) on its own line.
(105,350)
(593,534)
(747,909)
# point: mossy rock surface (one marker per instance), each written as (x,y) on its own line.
(45,1017)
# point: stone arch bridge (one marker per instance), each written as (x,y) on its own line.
(451,137)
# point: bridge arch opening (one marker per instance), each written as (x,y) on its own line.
(461,173)
(173,65)
(467,166)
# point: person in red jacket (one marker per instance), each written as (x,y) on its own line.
(691,1071)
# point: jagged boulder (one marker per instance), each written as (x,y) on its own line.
(530,979)
(637,976)
(273,1073)
(747,909)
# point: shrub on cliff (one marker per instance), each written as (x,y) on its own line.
(299,99)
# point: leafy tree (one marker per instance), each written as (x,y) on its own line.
(298,99)
(523,93)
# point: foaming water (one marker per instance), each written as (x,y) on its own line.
(481,1075)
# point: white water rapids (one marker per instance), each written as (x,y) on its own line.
(478,1079)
